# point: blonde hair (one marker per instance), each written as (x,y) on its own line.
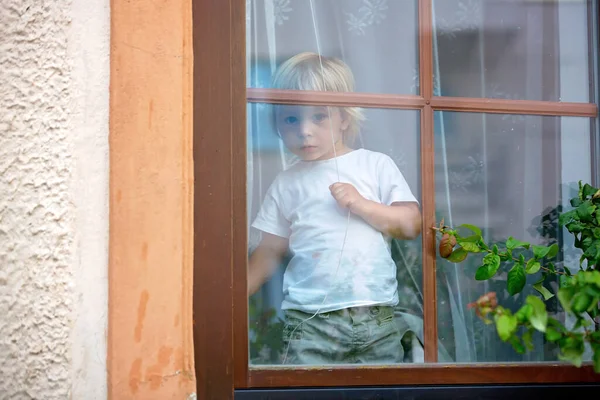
(309,71)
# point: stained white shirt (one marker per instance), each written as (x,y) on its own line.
(299,206)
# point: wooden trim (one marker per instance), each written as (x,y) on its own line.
(352,375)
(426,48)
(219,131)
(150,352)
(422,374)
(430,323)
(408,102)
(353,99)
(594,70)
(239,212)
(503,106)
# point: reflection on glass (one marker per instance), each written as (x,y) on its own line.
(510,175)
(377,39)
(519,49)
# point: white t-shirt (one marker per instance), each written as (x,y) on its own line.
(299,206)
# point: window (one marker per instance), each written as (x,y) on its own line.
(488,108)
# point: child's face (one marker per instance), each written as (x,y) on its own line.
(307,130)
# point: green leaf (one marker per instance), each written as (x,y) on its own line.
(495,249)
(516,344)
(515,280)
(575,227)
(573,356)
(458,255)
(588,191)
(541,289)
(566,217)
(483,273)
(528,339)
(565,295)
(565,281)
(540,251)
(580,323)
(472,228)
(572,350)
(470,246)
(554,249)
(506,325)
(512,243)
(552,335)
(493,262)
(593,310)
(585,210)
(532,266)
(591,277)
(470,239)
(581,302)
(575,202)
(539,317)
(489,268)
(524,313)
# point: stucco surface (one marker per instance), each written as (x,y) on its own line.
(53,185)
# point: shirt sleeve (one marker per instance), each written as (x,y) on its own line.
(270,218)
(392,185)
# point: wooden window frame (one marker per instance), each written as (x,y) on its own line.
(220,215)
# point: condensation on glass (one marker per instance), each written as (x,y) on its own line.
(518,49)
(363,34)
(393,133)
(511,175)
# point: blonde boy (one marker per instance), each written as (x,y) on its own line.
(335,211)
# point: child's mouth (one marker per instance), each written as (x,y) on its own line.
(308,148)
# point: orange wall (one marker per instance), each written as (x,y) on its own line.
(150,349)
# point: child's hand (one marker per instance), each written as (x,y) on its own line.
(346,195)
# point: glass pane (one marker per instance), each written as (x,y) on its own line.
(516,49)
(361,33)
(335,266)
(510,175)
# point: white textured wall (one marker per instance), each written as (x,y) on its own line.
(54,63)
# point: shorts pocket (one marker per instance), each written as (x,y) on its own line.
(383,315)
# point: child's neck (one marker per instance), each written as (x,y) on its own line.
(339,151)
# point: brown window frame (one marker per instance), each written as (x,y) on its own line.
(220,242)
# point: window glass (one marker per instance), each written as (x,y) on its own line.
(509,175)
(342,292)
(376,38)
(516,49)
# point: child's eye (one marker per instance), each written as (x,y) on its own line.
(319,117)
(290,120)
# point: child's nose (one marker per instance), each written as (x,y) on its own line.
(305,129)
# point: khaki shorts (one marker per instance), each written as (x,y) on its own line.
(359,335)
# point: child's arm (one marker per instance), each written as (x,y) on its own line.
(401,220)
(264,260)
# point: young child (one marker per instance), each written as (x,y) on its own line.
(337,228)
